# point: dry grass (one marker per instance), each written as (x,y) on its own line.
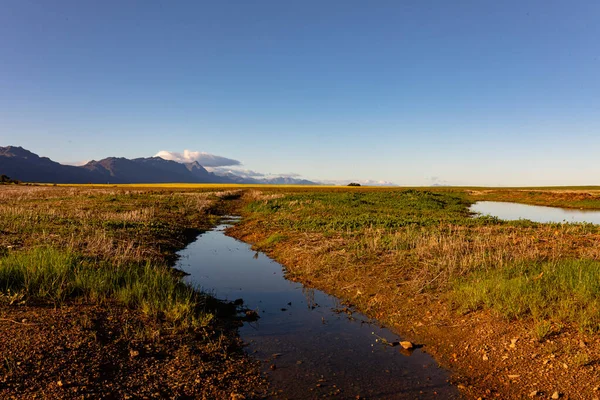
(118,224)
(398,244)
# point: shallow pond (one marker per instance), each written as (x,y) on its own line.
(309,347)
(516,211)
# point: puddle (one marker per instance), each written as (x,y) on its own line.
(308,347)
(515,211)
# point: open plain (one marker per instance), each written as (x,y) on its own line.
(90,306)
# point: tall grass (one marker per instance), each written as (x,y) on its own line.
(568,290)
(48,274)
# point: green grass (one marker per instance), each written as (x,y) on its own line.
(347,211)
(566,290)
(51,275)
(270,241)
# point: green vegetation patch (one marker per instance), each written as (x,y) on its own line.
(354,211)
(48,274)
(270,241)
(564,290)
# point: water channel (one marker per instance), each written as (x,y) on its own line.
(515,211)
(311,346)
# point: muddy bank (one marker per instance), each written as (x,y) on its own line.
(310,344)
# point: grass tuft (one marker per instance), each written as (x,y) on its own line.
(48,274)
(568,290)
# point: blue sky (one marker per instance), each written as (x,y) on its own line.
(414,92)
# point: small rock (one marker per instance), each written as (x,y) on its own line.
(407,345)
(272,367)
(555,395)
(133,353)
(513,343)
(513,376)
(534,393)
(485,357)
(59,383)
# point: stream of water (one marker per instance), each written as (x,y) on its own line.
(515,211)
(311,346)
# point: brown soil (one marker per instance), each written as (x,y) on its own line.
(89,351)
(489,356)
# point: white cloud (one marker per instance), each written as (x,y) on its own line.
(204,159)
(75,163)
(245,173)
(226,166)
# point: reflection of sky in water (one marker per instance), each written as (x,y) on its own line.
(515,211)
(313,342)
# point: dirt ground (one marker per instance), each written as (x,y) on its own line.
(91,351)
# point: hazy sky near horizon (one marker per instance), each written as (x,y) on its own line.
(413,92)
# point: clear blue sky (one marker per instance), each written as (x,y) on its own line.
(469,92)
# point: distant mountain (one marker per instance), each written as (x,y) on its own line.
(286,180)
(23,165)
(202,174)
(274,180)
(26,166)
(150,170)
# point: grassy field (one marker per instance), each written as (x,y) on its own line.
(101,259)
(414,258)
(417,256)
(432,239)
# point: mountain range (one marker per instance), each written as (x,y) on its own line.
(21,164)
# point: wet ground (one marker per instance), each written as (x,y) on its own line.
(515,211)
(311,345)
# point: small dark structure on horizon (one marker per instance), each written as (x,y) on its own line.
(354,184)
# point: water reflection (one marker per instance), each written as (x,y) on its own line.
(311,344)
(515,211)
